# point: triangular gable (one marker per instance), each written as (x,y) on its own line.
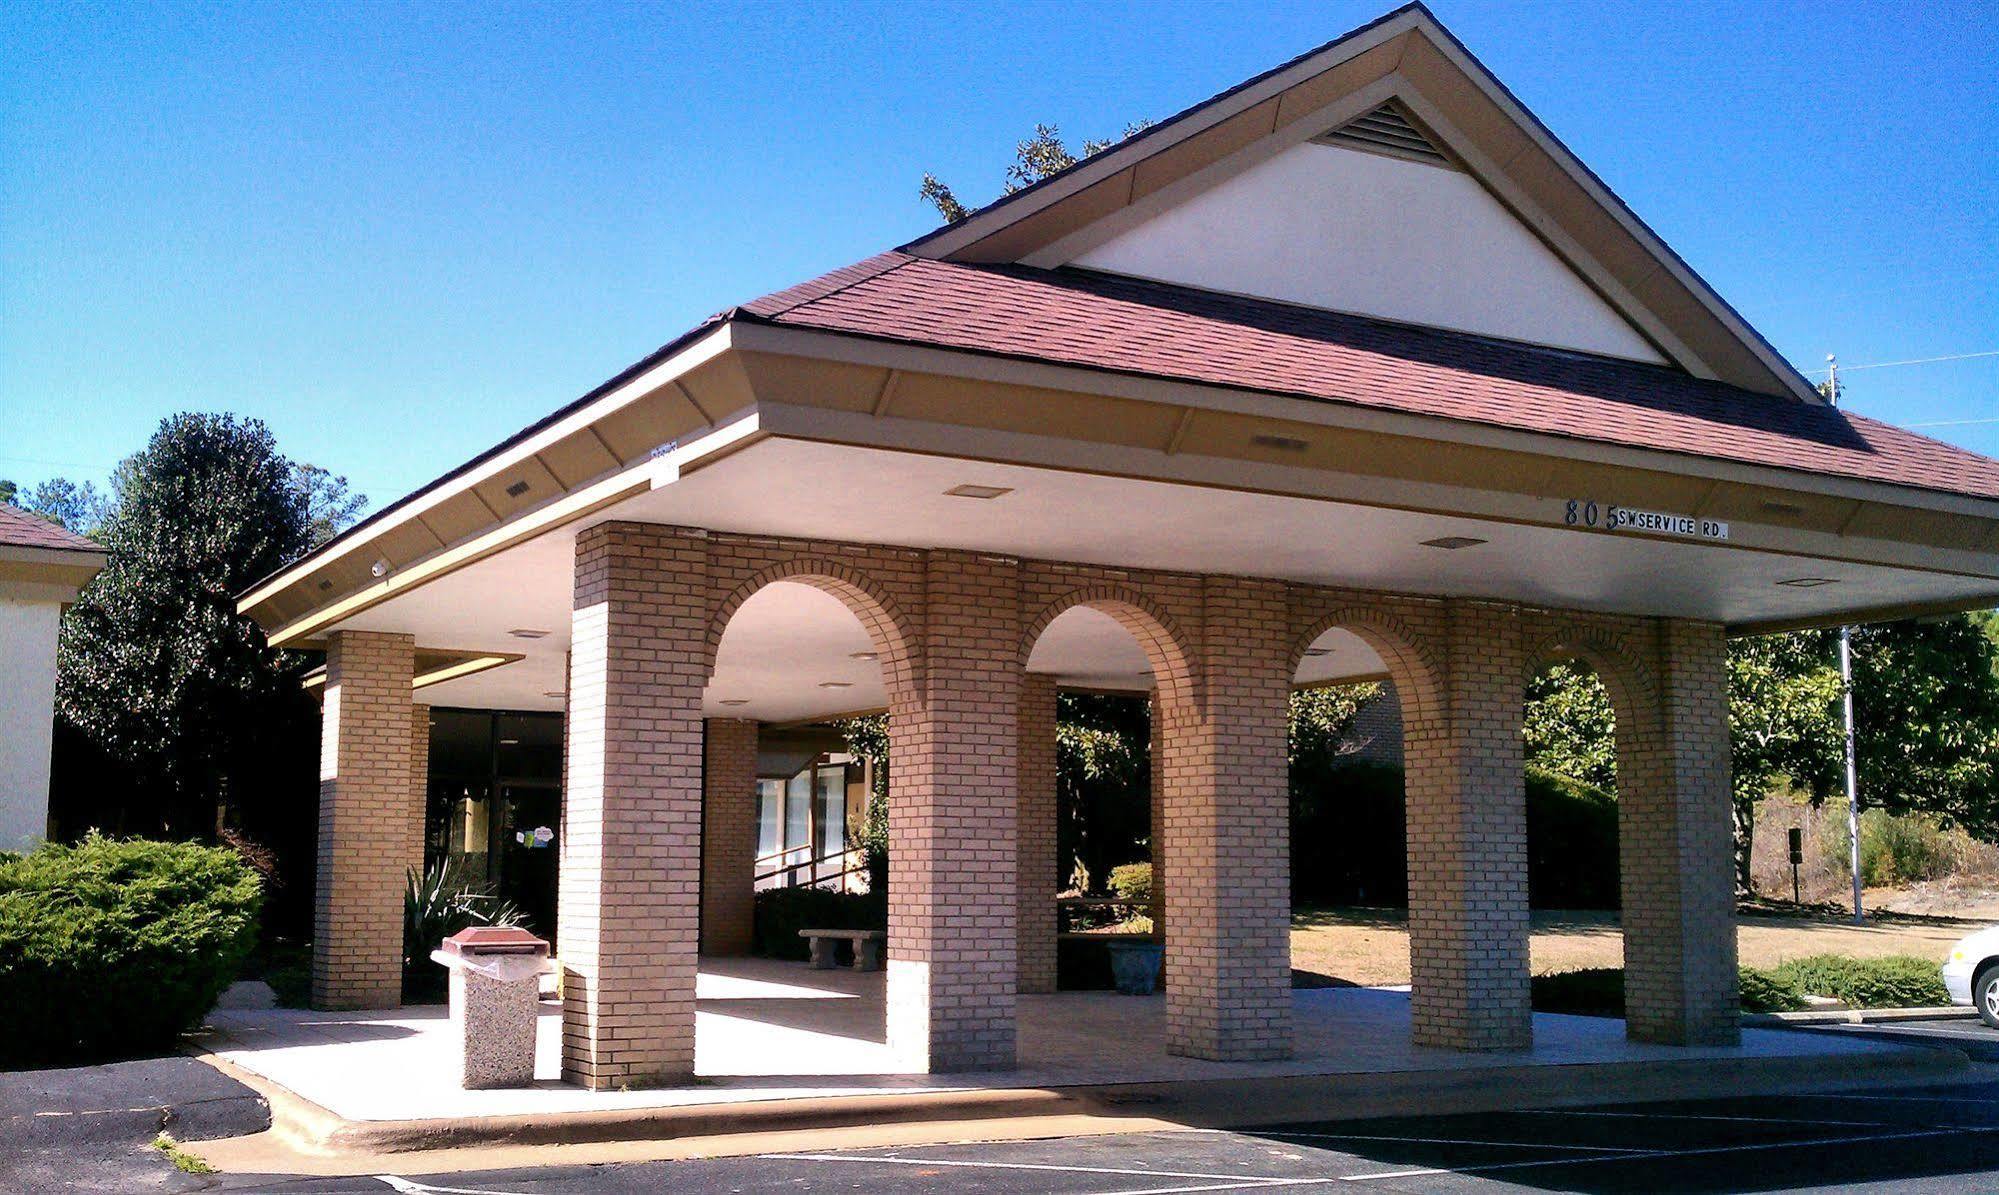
(1409,61)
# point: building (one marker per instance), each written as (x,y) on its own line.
(42,566)
(1352,370)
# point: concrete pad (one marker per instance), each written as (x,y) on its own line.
(782,1046)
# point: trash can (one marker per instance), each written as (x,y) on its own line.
(494,1001)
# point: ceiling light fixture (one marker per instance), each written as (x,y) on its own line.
(1451,543)
(836,684)
(864,655)
(510,742)
(1318,651)
(554,693)
(735,701)
(528,633)
(977,491)
(1809,582)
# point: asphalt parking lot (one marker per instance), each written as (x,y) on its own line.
(1936,1138)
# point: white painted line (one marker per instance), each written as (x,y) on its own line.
(1247,1180)
(1607,1149)
(1259,1184)
(1855,1124)
(410,1188)
(1660,1153)
(1914,1099)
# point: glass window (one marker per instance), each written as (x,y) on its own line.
(832,810)
(798,811)
(770,806)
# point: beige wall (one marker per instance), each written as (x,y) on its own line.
(27,711)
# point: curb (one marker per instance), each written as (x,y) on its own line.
(313,1130)
(1858,1016)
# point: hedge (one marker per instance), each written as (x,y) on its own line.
(1599,992)
(782,912)
(1900,981)
(115,947)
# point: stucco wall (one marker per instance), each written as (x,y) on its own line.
(27,712)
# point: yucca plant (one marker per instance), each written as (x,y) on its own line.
(438,901)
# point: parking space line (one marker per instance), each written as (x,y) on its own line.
(1608,1149)
(1856,1124)
(1241,1180)
(1701,1151)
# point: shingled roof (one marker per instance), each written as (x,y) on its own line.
(19,529)
(1130,326)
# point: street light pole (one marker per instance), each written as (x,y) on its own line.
(1852,782)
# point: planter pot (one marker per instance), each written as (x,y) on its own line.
(1135,966)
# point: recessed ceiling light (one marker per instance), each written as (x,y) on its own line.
(554,693)
(1451,543)
(978,491)
(864,655)
(735,701)
(510,742)
(380,568)
(528,633)
(1809,582)
(1318,651)
(836,684)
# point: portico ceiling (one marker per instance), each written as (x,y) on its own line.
(790,640)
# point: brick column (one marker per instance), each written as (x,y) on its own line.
(728,836)
(370,822)
(629,910)
(1467,842)
(1156,828)
(419,782)
(952,965)
(1039,876)
(1228,948)
(1676,844)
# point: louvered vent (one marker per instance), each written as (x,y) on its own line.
(1388,130)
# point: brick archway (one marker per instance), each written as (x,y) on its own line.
(890,630)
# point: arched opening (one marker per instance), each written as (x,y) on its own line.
(1104,680)
(1570,753)
(1349,861)
(806,669)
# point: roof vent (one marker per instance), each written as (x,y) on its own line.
(1388,130)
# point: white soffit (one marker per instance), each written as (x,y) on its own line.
(1348,230)
(792,641)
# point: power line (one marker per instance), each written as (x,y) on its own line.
(1913,361)
(1950,423)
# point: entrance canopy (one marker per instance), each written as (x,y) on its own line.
(1361,321)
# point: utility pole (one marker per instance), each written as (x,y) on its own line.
(1846,706)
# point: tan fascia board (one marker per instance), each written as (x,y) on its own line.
(667,372)
(1333,413)
(950,241)
(572,507)
(1863,617)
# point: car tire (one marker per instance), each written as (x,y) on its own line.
(1985,995)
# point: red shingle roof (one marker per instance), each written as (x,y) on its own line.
(1153,329)
(19,529)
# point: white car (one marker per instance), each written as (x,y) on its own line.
(1971,974)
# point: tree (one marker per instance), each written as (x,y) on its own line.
(79,507)
(1783,722)
(1035,158)
(1570,727)
(330,507)
(155,666)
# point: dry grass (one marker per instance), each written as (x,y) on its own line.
(1371,946)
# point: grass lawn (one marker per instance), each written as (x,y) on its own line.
(1371,946)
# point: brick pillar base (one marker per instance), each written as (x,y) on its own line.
(951,968)
(370,820)
(629,902)
(1228,829)
(1039,877)
(1467,843)
(728,836)
(1676,844)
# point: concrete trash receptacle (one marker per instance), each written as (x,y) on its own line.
(494,1002)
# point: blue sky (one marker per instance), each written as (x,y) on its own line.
(399,233)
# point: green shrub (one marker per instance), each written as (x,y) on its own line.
(1769,991)
(1901,981)
(782,912)
(116,947)
(1133,882)
(1594,992)
(1599,992)
(1571,843)
(1894,848)
(439,901)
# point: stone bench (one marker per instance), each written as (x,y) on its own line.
(867,947)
